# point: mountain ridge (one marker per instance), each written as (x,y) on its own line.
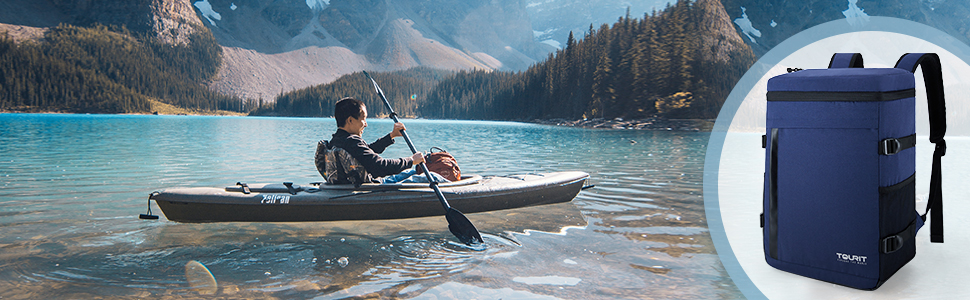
(275,46)
(679,63)
(778,21)
(377,35)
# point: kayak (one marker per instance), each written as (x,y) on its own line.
(287,202)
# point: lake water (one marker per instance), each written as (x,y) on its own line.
(72,186)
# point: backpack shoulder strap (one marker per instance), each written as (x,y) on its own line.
(846,60)
(933,78)
(320,157)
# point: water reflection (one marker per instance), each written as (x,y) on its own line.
(70,227)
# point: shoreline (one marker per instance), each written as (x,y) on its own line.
(157,108)
(224,114)
(696,125)
(660,124)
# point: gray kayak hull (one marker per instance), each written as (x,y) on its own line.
(279,203)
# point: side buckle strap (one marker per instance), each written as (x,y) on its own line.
(889,146)
(895,242)
(891,244)
(892,146)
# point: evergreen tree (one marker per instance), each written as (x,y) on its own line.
(603,91)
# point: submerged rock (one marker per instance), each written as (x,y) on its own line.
(343,261)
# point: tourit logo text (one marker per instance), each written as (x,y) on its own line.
(852,259)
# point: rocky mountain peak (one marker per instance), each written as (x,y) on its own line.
(720,39)
(173,21)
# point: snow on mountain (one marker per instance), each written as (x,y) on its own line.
(855,15)
(317,4)
(206,8)
(553,43)
(746,27)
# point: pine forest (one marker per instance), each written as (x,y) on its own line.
(103,69)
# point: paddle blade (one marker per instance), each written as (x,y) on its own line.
(462,228)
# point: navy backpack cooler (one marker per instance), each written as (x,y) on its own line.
(839,194)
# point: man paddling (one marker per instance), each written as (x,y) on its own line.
(351,116)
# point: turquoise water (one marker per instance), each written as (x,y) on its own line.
(72,186)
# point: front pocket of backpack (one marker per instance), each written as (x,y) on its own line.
(827,199)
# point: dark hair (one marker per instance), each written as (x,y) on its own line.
(347,107)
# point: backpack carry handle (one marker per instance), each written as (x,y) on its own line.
(933,78)
(845,60)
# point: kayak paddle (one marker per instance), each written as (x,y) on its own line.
(459,225)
